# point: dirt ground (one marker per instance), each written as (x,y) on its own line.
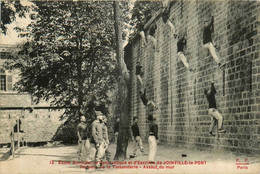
(63,159)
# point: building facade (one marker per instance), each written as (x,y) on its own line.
(39,122)
(182,116)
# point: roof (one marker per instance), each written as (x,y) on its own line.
(18,100)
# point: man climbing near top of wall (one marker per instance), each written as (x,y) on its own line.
(150,37)
(216,117)
(181,45)
(207,40)
(166,16)
(142,34)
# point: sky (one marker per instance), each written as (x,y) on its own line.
(11,37)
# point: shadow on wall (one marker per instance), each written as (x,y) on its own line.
(66,133)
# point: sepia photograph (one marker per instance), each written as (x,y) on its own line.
(130,86)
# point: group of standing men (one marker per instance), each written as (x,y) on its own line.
(152,138)
(93,140)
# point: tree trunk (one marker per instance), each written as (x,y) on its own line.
(80,81)
(123,89)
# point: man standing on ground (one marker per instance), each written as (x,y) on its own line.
(137,138)
(116,129)
(83,142)
(106,139)
(152,139)
(97,143)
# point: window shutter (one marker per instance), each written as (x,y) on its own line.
(9,83)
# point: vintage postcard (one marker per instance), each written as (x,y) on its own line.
(134,87)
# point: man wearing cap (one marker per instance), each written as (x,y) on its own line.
(136,137)
(97,138)
(83,141)
(153,136)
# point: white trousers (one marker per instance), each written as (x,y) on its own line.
(100,151)
(143,40)
(165,3)
(215,116)
(116,136)
(85,150)
(140,79)
(171,26)
(153,40)
(97,153)
(183,59)
(152,147)
(138,143)
(212,51)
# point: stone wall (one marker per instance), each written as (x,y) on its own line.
(40,125)
(182,115)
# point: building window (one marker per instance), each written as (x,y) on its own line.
(4,55)
(3,82)
(6,81)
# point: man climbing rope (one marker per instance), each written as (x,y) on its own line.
(213,112)
(181,45)
(207,40)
